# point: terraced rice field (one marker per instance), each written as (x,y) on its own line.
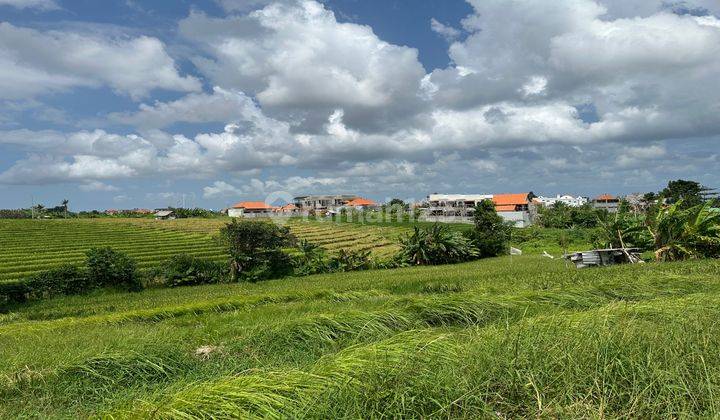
(30,246)
(382,241)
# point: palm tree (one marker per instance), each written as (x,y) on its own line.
(39,208)
(65,206)
(680,234)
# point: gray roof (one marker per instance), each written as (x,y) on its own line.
(163,213)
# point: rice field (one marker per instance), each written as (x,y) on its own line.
(496,338)
(30,246)
(380,240)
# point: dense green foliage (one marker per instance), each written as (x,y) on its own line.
(107,267)
(680,233)
(687,192)
(517,338)
(491,235)
(256,249)
(563,216)
(436,245)
(186,270)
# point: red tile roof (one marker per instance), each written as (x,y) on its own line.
(510,199)
(507,207)
(252,205)
(288,207)
(605,197)
(360,202)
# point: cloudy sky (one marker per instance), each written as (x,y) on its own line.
(141,103)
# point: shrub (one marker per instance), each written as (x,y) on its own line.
(13,292)
(491,234)
(436,245)
(109,268)
(255,249)
(349,260)
(185,270)
(64,280)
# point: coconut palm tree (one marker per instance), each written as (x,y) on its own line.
(65,203)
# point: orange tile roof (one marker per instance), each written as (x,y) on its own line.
(287,207)
(360,202)
(506,207)
(252,205)
(510,199)
(604,197)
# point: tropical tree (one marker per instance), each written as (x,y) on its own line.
(491,234)
(39,209)
(682,233)
(620,230)
(687,192)
(256,249)
(436,245)
(310,259)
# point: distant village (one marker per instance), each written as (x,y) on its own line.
(520,209)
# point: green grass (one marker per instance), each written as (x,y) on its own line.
(520,337)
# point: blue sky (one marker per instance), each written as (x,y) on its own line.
(148,103)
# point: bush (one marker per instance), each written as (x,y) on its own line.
(563,216)
(491,234)
(109,268)
(64,280)
(13,292)
(185,270)
(436,245)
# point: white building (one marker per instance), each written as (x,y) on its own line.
(514,208)
(565,199)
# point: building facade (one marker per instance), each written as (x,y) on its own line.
(251,209)
(565,199)
(514,208)
(306,203)
(606,202)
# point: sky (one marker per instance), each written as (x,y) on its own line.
(129,103)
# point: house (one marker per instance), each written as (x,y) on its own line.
(251,209)
(308,203)
(287,210)
(361,204)
(513,208)
(606,202)
(165,215)
(568,200)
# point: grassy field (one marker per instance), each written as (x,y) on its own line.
(521,337)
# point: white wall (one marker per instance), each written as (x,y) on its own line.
(235,212)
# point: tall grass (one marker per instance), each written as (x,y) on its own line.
(512,338)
